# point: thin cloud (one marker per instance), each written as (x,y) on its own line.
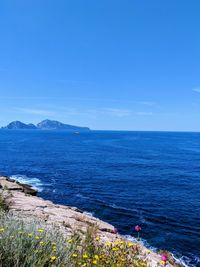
(70,111)
(25,97)
(197,90)
(117,112)
(147,103)
(74,82)
(143,113)
(39,112)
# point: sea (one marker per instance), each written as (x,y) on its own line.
(151,179)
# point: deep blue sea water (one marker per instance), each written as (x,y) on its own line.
(125,178)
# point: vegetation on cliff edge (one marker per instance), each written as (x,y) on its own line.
(33,243)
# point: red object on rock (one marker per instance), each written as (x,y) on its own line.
(115,231)
(164,257)
(137,228)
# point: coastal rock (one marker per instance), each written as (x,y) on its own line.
(12,185)
(22,200)
(27,189)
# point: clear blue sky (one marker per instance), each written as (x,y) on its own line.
(128,64)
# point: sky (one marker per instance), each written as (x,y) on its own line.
(105,64)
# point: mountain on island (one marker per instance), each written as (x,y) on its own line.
(56,125)
(44,125)
(15,125)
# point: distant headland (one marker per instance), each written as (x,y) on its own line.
(44,125)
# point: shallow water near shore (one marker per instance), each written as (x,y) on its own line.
(125,178)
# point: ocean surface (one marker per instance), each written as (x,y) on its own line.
(125,178)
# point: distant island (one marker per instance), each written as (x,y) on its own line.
(44,125)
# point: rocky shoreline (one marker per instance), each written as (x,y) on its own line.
(22,199)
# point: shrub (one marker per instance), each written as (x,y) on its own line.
(3,202)
(29,242)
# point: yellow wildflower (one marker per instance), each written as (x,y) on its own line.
(130,244)
(37,237)
(108,244)
(85,256)
(2,229)
(30,235)
(53,258)
(97,238)
(94,262)
(96,257)
(69,241)
(40,230)
(74,255)
(122,258)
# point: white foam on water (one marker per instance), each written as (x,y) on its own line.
(90,214)
(141,241)
(185,261)
(34,182)
(83,196)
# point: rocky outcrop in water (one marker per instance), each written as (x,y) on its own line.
(18,125)
(45,125)
(56,125)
